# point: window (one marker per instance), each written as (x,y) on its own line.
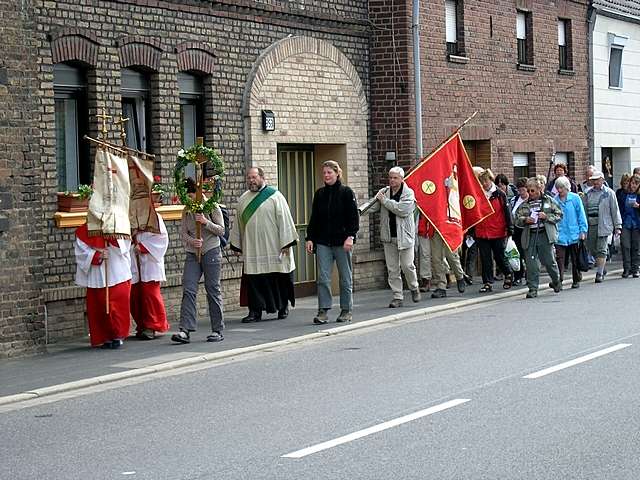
(565,54)
(616,46)
(524,35)
(71,120)
(567,158)
(135,107)
(454,23)
(615,66)
(521,164)
(191,112)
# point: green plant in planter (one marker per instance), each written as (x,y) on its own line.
(83,192)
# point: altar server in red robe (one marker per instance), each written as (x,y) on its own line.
(100,260)
(147,268)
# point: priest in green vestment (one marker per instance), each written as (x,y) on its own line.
(264,233)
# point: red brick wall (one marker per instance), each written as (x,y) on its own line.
(519,111)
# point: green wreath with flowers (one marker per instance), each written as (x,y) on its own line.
(212,187)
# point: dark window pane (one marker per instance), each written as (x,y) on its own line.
(563,57)
(522,51)
(615,65)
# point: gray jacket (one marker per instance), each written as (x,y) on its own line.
(403,210)
(608,212)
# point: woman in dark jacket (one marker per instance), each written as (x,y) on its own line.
(331,234)
(492,233)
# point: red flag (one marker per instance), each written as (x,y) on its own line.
(448,193)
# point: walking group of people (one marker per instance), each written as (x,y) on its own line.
(546,220)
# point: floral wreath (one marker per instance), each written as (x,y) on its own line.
(213,185)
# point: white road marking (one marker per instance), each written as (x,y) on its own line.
(375,429)
(577,361)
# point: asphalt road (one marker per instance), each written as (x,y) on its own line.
(365,405)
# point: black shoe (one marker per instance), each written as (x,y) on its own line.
(532,294)
(252,317)
(282,314)
(556,286)
(599,278)
(575,285)
(636,274)
(461,286)
(625,274)
(117,343)
(439,293)
(181,337)
(395,303)
(215,337)
(468,279)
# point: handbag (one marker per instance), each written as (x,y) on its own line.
(582,256)
(511,255)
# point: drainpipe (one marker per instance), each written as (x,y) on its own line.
(416,75)
(591,23)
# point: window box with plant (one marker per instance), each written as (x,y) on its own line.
(77,201)
(158,190)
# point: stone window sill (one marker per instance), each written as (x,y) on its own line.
(458,59)
(562,71)
(526,68)
(71,220)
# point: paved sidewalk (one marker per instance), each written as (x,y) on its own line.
(74,361)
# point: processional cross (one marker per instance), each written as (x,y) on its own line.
(201,159)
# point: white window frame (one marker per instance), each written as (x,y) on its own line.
(451,23)
(520,159)
(521,25)
(562,32)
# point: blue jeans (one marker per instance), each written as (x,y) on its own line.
(326,256)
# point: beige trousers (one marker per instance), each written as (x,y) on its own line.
(397,261)
(442,259)
(425,257)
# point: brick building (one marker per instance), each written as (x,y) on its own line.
(522,64)
(178,70)
(337,76)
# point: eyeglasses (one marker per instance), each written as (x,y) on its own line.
(532,190)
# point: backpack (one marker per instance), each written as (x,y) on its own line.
(224,239)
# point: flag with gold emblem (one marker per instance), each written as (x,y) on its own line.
(448,193)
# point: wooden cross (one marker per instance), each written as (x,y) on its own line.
(123,132)
(201,160)
(104,117)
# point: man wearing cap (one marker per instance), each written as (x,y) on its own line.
(603,218)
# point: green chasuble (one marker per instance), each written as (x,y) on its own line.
(269,227)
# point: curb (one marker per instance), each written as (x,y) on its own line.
(413,315)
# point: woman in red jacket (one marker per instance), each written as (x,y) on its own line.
(492,233)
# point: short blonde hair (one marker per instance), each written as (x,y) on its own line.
(333,165)
(486,174)
(625,178)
